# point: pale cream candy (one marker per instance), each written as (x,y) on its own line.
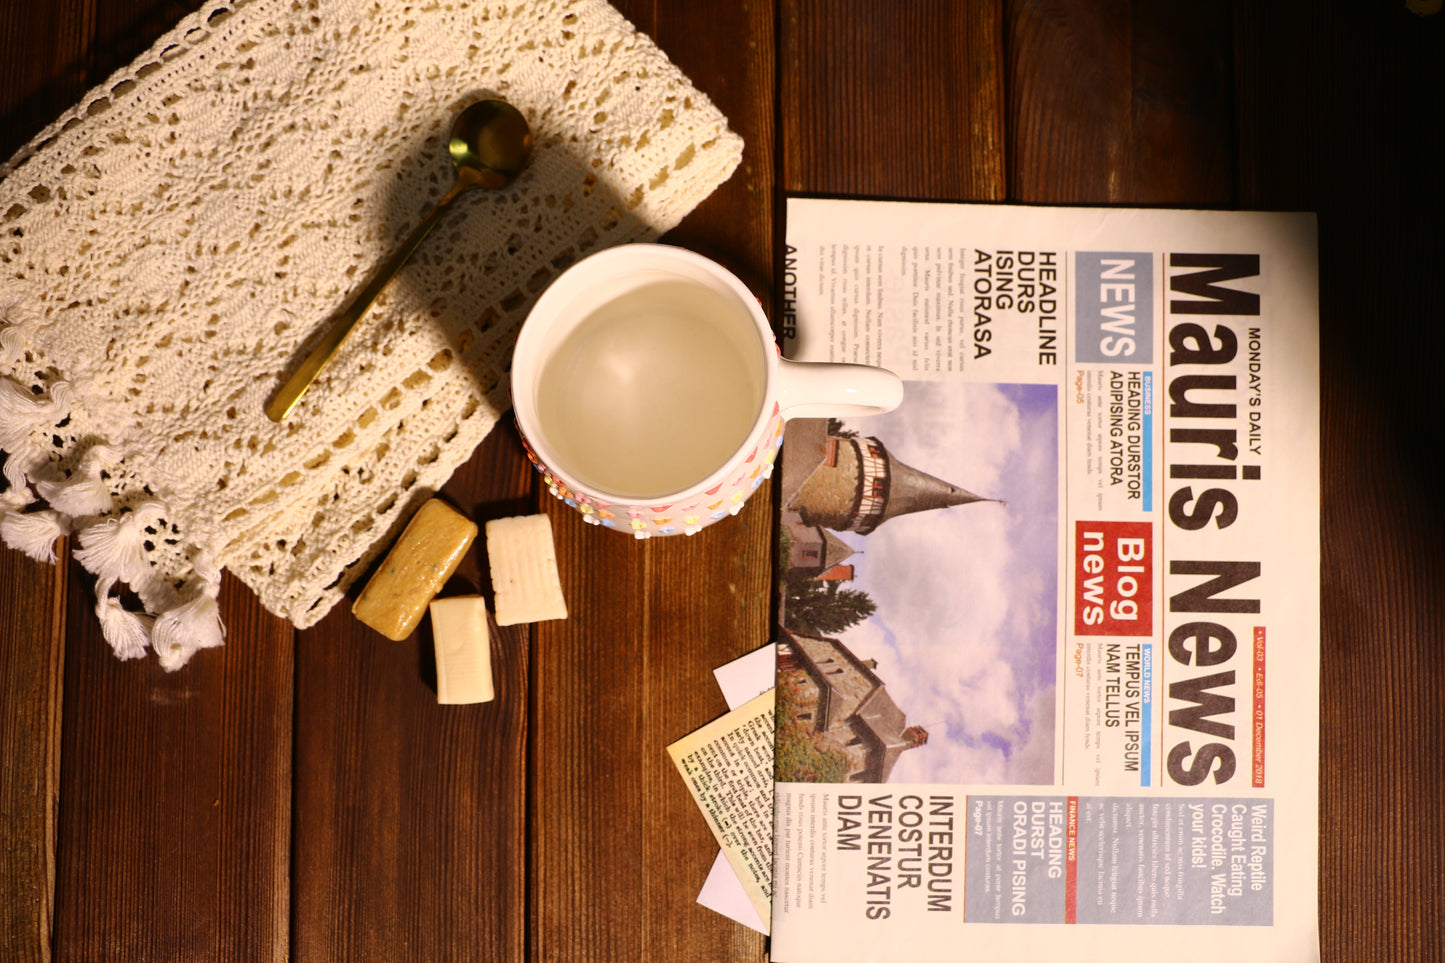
(463,650)
(523,561)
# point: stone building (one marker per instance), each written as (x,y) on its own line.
(845,705)
(814,552)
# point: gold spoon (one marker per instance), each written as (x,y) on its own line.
(490,144)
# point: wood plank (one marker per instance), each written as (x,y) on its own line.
(587,879)
(32,635)
(708,594)
(175,801)
(709,603)
(669,610)
(619,849)
(1114,102)
(892,100)
(1337,110)
(70,46)
(32,647)
(51,74)
(53,71)
(411,816)
(129,724)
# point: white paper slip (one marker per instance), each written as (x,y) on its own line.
(747,676)
(463,650)
(723,893)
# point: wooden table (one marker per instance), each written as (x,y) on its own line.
(299,795)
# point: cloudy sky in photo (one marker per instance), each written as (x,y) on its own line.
(965,633)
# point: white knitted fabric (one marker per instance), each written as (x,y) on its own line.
(170,248)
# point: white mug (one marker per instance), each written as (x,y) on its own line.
(649,390)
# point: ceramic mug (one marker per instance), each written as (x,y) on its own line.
(650,392)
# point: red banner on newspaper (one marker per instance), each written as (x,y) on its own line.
(1257,718)
(1113,578)
(1071,861)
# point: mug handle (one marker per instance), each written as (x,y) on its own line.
(820,389)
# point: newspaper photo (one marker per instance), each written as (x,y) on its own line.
(1048,633)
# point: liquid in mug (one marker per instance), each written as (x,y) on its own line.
(654,391)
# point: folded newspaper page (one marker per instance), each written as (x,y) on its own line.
(1048,653)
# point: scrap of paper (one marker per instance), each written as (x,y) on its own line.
(740,680)
(723,893)
(747,676)
(728,768)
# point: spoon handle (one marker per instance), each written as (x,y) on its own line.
(285,400)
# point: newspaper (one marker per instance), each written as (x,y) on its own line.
(1048,653)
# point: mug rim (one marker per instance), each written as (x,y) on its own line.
(528,356)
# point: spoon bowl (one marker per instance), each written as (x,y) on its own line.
(490,145)
(491,137)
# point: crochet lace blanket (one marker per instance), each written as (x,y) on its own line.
(171,247)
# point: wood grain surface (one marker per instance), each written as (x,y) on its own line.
(1337,107)
(300,795)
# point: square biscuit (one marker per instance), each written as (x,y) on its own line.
(523,562)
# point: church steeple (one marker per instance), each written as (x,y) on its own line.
(860,485)
(910,490)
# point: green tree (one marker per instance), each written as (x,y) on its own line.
(811,607)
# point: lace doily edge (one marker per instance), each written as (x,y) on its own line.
(41,502)
(190,30)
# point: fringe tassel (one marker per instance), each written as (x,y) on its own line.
(16,497)
(114,548)
(20,464)
(178,632)
(85,492)
(13,337)
(33,533)
(204,564)
(23,412)
(181,632)
(129,633)
(13,342)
